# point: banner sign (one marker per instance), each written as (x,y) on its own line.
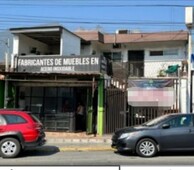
(151,93)
(161,83)
(60,64)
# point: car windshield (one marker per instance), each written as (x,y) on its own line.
(155,121)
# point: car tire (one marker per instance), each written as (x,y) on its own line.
(146,148)
(9,147)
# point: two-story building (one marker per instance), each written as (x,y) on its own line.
(53,69)
(151,65)
(49,77)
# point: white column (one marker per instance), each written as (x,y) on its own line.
(189,84)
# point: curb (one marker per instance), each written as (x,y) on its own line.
(64,149)
(75,148)
(82,141)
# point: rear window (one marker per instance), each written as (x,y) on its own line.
(35,118)
(2,120)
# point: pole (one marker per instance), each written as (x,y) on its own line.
(125,93)
(180,91)
(6,82)
(189,72)
(6,70)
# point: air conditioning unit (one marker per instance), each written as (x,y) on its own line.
(122,31)
(116,46)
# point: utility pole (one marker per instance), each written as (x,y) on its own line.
(189,21)
(189,83)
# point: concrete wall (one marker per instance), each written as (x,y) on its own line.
(70,44)
(86,49)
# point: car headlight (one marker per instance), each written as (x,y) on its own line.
(126,135)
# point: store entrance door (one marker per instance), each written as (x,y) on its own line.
(81,108)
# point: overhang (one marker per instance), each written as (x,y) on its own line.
(52,79)
(47,34)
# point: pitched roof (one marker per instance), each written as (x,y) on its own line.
(134,37)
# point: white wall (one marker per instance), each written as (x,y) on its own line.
(16,45)
(86,50)
(26,43)
(153,64)
(70,44)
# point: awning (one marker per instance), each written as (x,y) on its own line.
(52,79)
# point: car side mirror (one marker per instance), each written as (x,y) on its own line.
(165,126)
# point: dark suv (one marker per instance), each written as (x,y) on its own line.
(19,130)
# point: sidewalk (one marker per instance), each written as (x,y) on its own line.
(64,141)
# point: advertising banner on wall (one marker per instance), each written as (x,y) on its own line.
(157,93)
(60,64)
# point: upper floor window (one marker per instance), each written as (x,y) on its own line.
(171,52)
(156,53)
(114,56)
(164,52)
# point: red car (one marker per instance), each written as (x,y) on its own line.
(19,130)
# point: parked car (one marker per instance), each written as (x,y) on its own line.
(19,130)
(172,132)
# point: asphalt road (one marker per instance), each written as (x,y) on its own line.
(54,157)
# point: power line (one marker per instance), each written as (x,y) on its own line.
(97,22)
(98,0)
(41,18)
(99,5)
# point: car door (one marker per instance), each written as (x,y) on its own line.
(178,134)
(192,131)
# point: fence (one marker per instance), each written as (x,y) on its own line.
(119,114)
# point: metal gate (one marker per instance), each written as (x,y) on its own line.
(116,116)
(139,115)
(114,104)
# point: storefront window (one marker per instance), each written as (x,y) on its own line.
(37,91)
(36,104)
(47,99)
(50,105)
(50,92)
(65,100)
(27,102)
(22,95)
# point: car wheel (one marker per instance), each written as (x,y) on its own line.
(146,148)
(9,148)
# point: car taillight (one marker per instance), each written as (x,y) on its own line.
(34,126)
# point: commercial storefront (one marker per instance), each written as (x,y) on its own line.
(52,88)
